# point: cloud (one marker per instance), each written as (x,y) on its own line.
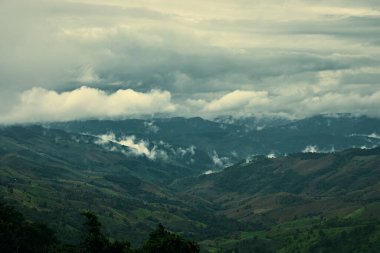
(151,127)
(210,57)
(237,99)
(39,105)
(182,152)
(315,149)
(152,150)
(299,103)
(140,148)
(219,161)
(374,136)
(311,149)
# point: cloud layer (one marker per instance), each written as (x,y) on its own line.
(202,57)
(39,105)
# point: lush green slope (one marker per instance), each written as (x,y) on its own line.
(296,196)
(298,203)
(300,184)
(52,176)
(24,236)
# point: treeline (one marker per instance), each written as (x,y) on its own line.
(22,236)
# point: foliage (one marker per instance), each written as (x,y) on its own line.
(95,241)
(19,235)
(162,241)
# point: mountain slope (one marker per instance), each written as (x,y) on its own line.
(52,175)
(296,185)
(234,139)
(262,203)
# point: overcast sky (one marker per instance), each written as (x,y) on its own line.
(64,60)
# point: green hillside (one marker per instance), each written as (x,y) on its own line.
(51,176)
(297,203)
(307,202)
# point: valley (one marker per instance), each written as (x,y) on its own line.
(255,202)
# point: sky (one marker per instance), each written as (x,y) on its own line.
(66,60)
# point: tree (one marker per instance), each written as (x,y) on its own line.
(163,241)
(19,235)
(94,241)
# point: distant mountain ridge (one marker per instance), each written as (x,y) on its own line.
(294,184)
(237,138)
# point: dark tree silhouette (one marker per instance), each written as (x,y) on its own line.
(163,241)
(19,235)
(94,241)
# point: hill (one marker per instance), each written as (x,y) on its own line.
(293,196)
(226,140)
(51,176)
(263,204)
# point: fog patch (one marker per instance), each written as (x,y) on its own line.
(151,127)
(310,149)
(135,147)
(220,161)
(314,149)
(374,136)
(184,151)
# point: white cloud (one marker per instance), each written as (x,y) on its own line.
(237,99)
(138,148)
(294,58)
(292,104)
(181,152)
(219,161)
(374,136)
(39,104)
(311,149)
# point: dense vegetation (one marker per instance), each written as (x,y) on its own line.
(349,235)
(19,235)
(295,203)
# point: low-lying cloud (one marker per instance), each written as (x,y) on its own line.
(137,148)
(40,105)
(310,149)
(219,161)
(153,150)
(315,149)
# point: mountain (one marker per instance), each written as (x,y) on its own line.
(227,140)
(299,184)
(294,197)
(300,202)
(52,175)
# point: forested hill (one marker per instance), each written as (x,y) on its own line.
(20,235)
(296,185)
(301,202)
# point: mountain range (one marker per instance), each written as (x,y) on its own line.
(231,184)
